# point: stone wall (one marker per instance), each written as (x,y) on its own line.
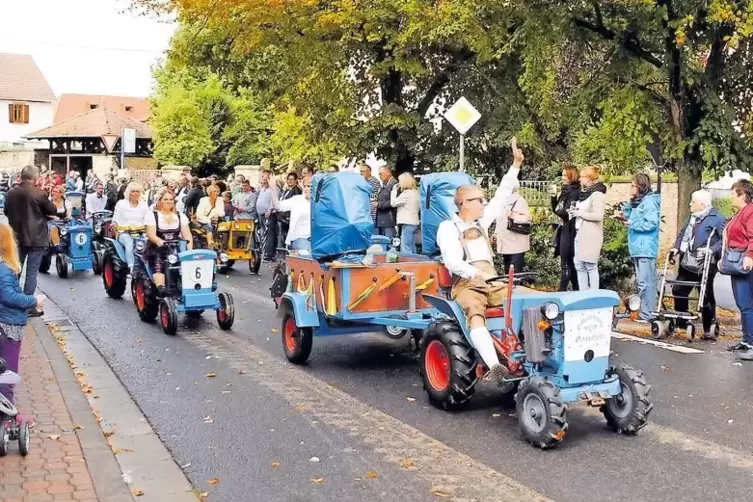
(15,160)
(620,192)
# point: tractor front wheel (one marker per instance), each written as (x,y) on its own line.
(44,265)
(296,342)
(168,314)
(447,365)
(226,312)
(542,415)
(627,413)
(254,262)
(61,265)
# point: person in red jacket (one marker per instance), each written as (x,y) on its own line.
(739,236)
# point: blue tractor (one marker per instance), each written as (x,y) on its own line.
(190,287)
(74,252)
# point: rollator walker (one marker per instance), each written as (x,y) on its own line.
(663,320)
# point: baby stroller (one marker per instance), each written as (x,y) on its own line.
(664,321)
(10,428)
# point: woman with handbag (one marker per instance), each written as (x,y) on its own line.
(589,225)
(514,231)
(737,261)
(564,238)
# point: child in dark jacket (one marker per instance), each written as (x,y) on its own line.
(14,304)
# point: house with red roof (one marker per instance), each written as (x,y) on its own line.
(26,100)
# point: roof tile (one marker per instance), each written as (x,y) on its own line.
(21,80)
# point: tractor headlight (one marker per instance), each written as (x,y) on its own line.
(63,231)
(236,226)
(224,257)
(172,259)
(633,303)
(97,228)
(550,310)
(140,246)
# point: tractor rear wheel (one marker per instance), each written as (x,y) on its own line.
(168,313)
(447,365)
(114,275)
(628,412)
(542,415)
(296,342)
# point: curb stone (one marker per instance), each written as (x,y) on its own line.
(135,465)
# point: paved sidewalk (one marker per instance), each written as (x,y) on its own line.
(55,468)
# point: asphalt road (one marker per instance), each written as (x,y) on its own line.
(358,407)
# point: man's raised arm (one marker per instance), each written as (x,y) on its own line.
(505,188)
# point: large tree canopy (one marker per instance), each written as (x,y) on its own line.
(590,81)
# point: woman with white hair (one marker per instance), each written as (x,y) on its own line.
(691,248)
(404,197)
(129,217)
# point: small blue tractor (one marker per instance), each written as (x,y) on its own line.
(74,252)
(190,287)
(555,347)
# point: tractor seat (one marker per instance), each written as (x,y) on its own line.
(445,283)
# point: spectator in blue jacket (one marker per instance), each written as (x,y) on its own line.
(642,216)
(14,304)
(691,247)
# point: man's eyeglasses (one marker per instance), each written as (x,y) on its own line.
(480,199)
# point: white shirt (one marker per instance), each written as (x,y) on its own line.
(205,212)
(79,185)
(449,231)
(95,204)
(180,221)
(300,217)
(126,215)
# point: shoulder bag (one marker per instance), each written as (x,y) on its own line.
(518,228)
(732,260)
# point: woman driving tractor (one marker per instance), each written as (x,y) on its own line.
(164,225)
(128,217)
(211,208)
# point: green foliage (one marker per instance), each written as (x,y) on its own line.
(724,206)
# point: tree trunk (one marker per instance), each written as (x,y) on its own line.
(688,181)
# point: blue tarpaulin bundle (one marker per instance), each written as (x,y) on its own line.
(340,214)
(438,205)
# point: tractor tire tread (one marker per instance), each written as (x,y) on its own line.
(463,372)
(643,406)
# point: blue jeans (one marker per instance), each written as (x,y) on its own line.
(300,244)
(645,276)
(408,239)
(33,257)
(742,289)
(386,231)
(126,240)
(588,275)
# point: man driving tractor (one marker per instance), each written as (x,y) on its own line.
(467,253)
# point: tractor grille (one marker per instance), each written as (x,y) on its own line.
(535,339)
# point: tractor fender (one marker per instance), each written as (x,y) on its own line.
(452,310)
(305,317)
(118,248)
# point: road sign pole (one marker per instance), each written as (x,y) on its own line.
(122,149)
(462,153)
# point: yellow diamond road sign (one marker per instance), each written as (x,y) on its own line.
(462,115)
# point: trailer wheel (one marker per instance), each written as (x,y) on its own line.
(447,365)
(296,342)
(628,412)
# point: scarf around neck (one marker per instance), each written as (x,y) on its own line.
(585,192)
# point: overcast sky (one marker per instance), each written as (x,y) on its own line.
(86,46)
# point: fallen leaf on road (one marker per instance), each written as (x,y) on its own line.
(137,492)
(117,450)
(371,475)
(737,364)
(314,459)
(80,373)
(275,330)
(139,341)
(208,420)
(665,368)
(108,433)
(407,463)
(495,415)
(730,421)
(54,437)
(226,392)
(211,375)
(300,408)
(214,481)
(241,372)
(318,481)
(440,494)
(78,427)
(411,399)
(276,464)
